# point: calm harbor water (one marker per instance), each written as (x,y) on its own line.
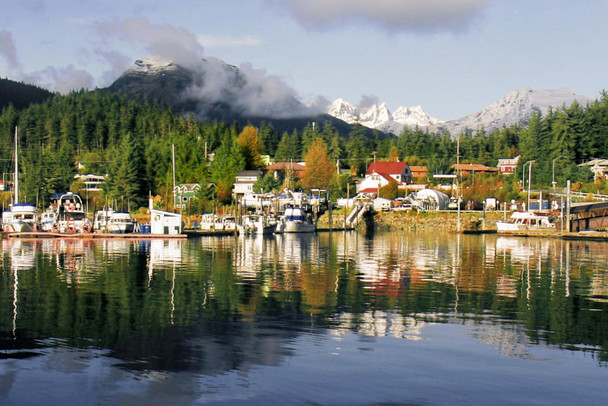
(327,318)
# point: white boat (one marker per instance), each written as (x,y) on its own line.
(524,220)
(69,215)
(256,225)
(229,222)
(110,221)
(297,221)
(22,217)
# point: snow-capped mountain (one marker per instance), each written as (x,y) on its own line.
(515,108)
(209,88)
(380,117)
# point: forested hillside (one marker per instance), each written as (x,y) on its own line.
(131,142)
(20,94)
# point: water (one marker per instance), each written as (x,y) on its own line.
(340,318)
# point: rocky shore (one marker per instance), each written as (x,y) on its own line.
(419,221)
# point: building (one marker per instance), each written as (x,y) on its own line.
(507,166)
(183,194)
(164,222)
(473,169)
(380,174)
(419,172)
(92,183)
(283,169)
(599,167)
(244,183)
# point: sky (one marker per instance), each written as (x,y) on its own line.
(452,57)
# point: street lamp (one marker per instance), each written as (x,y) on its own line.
(553,172)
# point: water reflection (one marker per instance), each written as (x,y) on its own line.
(219,304)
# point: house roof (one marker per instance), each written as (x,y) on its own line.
(249,173)
(593,162)
(279,166)
(473,168)
(418,171)
(391,168)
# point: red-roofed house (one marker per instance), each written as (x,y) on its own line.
(379,174)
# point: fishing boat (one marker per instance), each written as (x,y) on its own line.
(297,220)
(524,220)
(109,221)
(22,217)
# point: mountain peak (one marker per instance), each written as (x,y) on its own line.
(378,116)
(515,108)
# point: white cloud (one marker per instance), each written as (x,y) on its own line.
(67,79)
(161,40)
(422,16)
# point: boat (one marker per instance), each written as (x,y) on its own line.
(256,224)
(22,217)
(110,221)
(524,221)
(297,220)
(69,215)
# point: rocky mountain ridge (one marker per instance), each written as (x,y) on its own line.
(515,108)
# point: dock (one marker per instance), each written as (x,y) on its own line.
(135,236)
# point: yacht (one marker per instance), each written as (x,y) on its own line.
(297,220)
(110,221)
(68,214)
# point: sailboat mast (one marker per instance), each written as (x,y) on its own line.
(16,170)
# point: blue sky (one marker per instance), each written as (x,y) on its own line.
(452,57)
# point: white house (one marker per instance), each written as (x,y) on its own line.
(92,183)
(507,166)
(244,183)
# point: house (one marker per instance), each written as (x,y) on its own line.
(244,183)
(472,169)
(92,183)
(418,172)
(282,169)
(380,174)
(507,166)
(183,193)
(599,167)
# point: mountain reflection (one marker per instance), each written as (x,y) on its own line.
(215,304)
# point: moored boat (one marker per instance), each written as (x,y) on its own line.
(524,220)
(69,215)
(21,218)
(297,221)
(256,225)
(110,221)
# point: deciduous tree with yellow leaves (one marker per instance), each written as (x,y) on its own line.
(319,169)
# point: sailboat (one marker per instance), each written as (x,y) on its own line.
(22,217)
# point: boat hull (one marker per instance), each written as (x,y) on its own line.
(298,227)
